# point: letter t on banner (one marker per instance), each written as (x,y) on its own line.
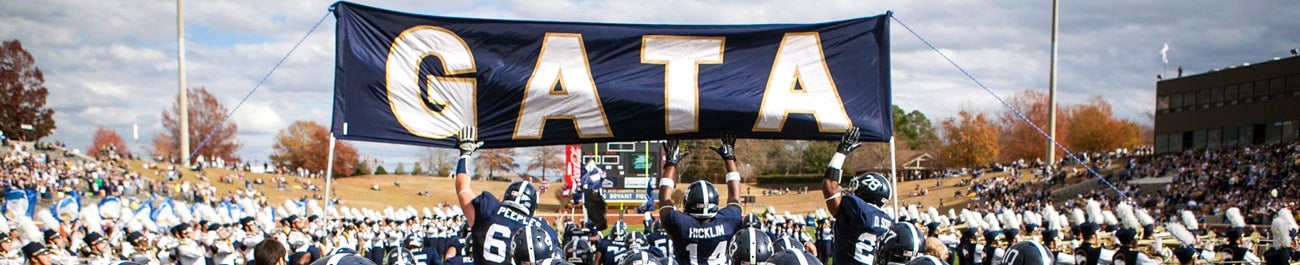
(681,57)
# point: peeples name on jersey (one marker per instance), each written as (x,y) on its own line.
(415,79)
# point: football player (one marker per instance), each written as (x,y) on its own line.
(858,218)
(607,249)
(700,233)
(491,223)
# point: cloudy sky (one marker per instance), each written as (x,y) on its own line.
(112,63)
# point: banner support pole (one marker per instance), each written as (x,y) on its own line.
(893,173)
(329,171)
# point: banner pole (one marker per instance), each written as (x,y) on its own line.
(329,171)
(893,173)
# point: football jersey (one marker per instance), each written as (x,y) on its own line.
(698,241)
(610,251)
(494,224)
(857,227)
(660,245)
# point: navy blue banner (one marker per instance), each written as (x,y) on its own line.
(415,79)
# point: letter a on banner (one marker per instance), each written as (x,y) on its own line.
(563,62)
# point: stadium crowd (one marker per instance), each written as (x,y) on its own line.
(186,221)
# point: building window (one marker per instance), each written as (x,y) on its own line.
(1230,136)
(1176,101)
(1276,87)
(1247,136)
(1273,133)
(1162,103)
(1198,139)
(1215,138)
(1230,94)
(1176,142)
(1247,92)
(1189,100)
(1288,131)
(1261,89)
(1162,143)
(1293,85)
(621,147)
(1216,95)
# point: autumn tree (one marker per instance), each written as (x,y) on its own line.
(914,131)
(106,140)
(23,114)
(1093,127)
(1019,139)
(206,115)
(545,157)
(306,144)
(970,140)
(494,160)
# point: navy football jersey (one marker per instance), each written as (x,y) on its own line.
(856,227)
(660,244)
(609,251)
(697,242)
(493,225)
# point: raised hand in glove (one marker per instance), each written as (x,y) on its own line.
(728,148)
(467,141)
(673,153)
(849,141)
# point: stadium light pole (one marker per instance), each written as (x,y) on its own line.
(1051,92)
(183,98)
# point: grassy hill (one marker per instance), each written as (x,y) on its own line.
(357,192)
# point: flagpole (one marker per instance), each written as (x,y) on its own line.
(1051,92)
(329,170)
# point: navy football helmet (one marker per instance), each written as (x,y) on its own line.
(636,240)
(553,261)
(900,244)
(618,233)
(793,257)
(530,244)
(786,242)
(637,257)
(579,252)
(749,246)
(336,259)
(522,196)
(751,220)
(399,256)
(701,200)
(1027,253)
(872,188)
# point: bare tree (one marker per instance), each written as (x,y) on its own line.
(441,161)
(545,157)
